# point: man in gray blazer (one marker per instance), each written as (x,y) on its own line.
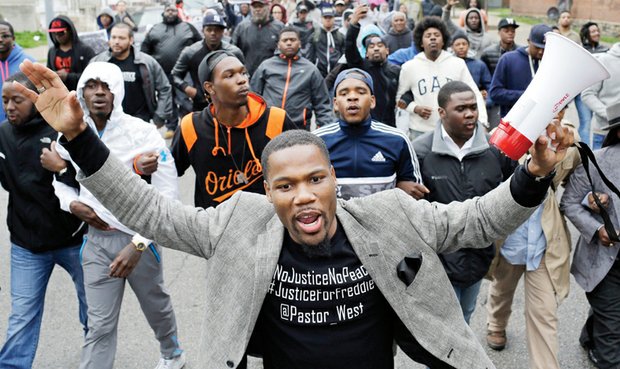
(596,264)
(307,280)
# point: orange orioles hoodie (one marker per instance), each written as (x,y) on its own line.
(227,159)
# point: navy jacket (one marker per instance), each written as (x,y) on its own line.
(369,157)
(479,72)
(511,78)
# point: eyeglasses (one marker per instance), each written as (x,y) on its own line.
(61,33)
(6,36)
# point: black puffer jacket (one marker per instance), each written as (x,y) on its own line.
(164,42)
(80,54)
(34,218)
(257,41)
(491,54)
(449,179)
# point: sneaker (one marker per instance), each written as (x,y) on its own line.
(176,362)
(168,135)
(496,340)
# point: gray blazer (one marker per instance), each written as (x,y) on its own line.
(243,238)
(592,260)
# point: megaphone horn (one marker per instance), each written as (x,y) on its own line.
(566,69)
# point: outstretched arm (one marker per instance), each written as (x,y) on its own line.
(479,221)
(137,205)
(354,59)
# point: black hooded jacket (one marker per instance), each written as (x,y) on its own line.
(384,76)
(80,54)
(450,179)
(34,217)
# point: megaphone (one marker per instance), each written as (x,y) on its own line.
(566,69)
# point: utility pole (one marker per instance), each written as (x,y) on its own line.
(49,15)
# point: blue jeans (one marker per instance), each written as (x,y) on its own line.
(597,141)
(467,298)
(30,274)
(585,117)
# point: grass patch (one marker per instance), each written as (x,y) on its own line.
(29,39)
(610,40)
(524,19)
(501,12)
(530,20)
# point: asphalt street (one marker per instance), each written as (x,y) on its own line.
(61,334)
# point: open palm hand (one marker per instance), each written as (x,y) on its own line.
(59,107)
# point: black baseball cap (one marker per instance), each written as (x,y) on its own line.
(507,22)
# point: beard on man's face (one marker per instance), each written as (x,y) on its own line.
(169,19)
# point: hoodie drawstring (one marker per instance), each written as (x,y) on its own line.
(217,147)
(256,161)
(332,43)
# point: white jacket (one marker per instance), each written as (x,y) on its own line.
(424,78)
(126,137)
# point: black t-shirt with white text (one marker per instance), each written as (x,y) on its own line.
(134,102)
(324,312)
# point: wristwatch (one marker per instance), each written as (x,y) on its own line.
(139,242)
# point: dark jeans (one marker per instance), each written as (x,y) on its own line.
(603,326)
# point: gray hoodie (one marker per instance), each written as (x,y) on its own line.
(478,39)
(109,12)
